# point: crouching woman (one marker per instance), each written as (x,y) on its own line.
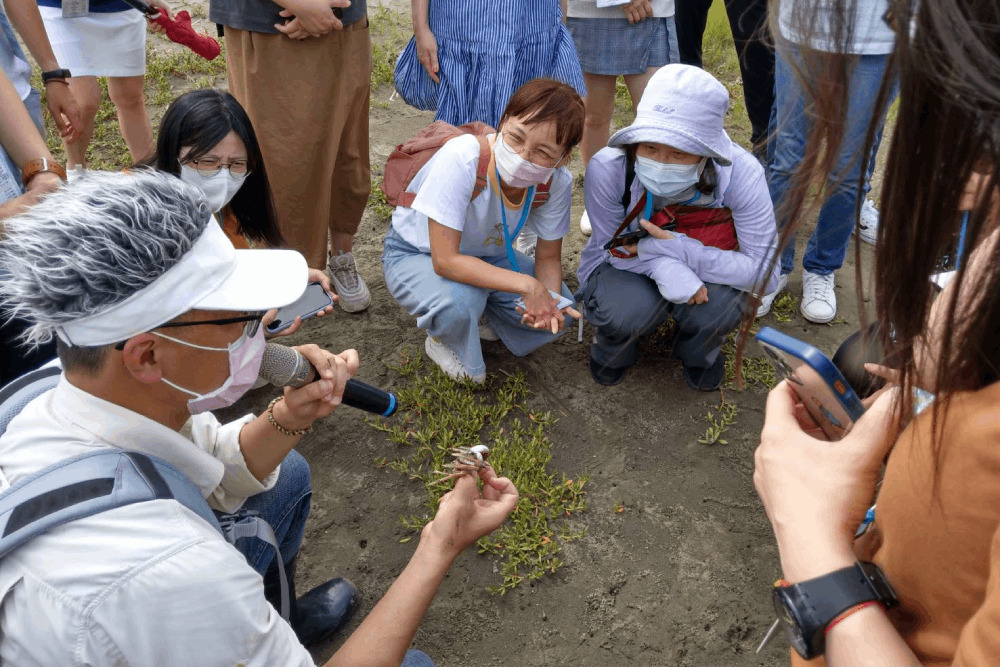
(700,204)
(449,258)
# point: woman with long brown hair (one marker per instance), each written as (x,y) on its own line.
(936,533)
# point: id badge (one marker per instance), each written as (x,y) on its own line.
(72,9)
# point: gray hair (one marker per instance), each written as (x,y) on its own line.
(94,243)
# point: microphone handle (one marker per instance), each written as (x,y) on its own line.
(357,394)
(363,396)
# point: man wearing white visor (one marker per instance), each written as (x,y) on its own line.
(157,320)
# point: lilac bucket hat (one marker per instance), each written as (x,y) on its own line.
(683,106)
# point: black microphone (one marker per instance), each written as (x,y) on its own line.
(286,367)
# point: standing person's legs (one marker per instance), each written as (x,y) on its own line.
(127,95)
(351,181)
(791,131)
(636,84)
(690,16)
(622,306)
(87,92)
(299,127)
(701,331)
(600,106)
(748,22)
(828,244)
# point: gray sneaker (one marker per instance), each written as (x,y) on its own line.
(347,283)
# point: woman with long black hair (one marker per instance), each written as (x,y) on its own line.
(206,139)
(935,538)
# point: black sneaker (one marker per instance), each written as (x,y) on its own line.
(606,375)
(706,379)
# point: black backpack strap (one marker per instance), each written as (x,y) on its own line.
(629,177)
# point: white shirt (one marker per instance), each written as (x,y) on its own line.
(871,35)
(145,584)
(444,188)
(588,9)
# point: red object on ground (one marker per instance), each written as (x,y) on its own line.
(181,31)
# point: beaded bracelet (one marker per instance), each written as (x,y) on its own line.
(278,427)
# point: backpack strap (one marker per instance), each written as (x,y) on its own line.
(22,390)
(629,177)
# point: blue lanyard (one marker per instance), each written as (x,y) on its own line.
(507,236)
(647,213)
(961,240)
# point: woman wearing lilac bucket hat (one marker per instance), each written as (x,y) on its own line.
(682,224)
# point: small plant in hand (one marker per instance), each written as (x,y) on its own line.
(441,418)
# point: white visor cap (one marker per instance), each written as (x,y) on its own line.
(212,275)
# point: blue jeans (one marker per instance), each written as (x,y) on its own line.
(285,508)
(828,243)
(624,306)
(450,310)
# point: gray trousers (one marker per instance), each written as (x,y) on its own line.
(624,306)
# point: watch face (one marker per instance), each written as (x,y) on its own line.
(790,623)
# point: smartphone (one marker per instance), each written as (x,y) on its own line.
(819,385)
(626,239)
(312,301)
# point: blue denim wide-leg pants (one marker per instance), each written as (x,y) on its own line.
(450,310)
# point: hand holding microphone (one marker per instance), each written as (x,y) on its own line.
(289,367)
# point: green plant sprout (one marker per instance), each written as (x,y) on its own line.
(719,422)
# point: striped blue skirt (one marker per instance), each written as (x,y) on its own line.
(486,51)
(614,46)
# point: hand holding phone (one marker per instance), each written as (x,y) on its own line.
(314,300)
(824,392)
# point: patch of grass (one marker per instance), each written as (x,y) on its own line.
(719,420)
(757,370)
(784,307)
(377,202)
(390,31)
(438,414)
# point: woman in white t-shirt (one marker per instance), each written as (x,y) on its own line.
(449,259)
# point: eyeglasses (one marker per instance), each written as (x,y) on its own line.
(252,324)
(536,155)
(208,167)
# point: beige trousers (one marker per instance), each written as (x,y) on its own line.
(308,102)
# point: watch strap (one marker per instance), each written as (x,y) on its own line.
(55,74)
(820,601)
(34,167)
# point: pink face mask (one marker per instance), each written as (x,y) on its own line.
(245,354)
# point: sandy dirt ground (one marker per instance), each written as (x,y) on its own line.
(681,577)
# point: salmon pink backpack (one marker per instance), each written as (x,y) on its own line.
(410,156)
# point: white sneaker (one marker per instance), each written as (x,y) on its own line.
(869,222)
(448,361)
(768,299)
(486,332)
(585,224)
(525,242)
(347,283)
(819,302)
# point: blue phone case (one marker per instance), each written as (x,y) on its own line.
(822,388)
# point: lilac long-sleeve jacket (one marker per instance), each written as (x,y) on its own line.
(680,266)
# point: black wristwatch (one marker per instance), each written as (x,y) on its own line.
(61,74)
(806,608)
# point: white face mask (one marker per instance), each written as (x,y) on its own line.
(219,190)
(514,170)
(666,179)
